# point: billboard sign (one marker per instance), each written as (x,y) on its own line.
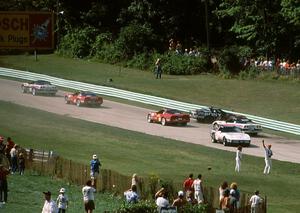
(26,30)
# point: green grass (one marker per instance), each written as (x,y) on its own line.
(268,98)
(130,152)
(25,195)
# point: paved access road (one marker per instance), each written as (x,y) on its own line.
(134,118)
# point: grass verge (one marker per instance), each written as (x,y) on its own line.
(130,152)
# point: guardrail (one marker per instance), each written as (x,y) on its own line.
(142,98)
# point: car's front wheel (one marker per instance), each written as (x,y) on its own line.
(163,122)
(225,143)
(149,120)
(67,100)
(213,138)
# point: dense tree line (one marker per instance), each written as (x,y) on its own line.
(132,30)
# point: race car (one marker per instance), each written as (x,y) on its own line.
(242,122)
(209,115)
(229,135)
(168,116)
(39,87)
(81,98)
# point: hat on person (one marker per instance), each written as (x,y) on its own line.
(47,193)
(95,157)
(180,193)
(62,190)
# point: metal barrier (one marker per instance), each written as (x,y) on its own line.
(142,98)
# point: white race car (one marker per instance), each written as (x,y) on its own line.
(39,87)
(229,135)
(242,122)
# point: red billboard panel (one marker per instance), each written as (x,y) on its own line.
(26,30)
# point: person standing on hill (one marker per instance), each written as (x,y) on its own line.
(95,170)
(62,201)
(187,185)
(49,205)
(268,155)
(198,189)
(238,158)
(158,68)
(88,197)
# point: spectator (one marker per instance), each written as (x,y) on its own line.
(134,180)
(222,188)
(49,205)
(2,145)
(158,69)
(255,201)
(234,195)
(179,202)
(161,197)
(3,184)
(238,158)
(131,195)
(9,145)
(198,189)
(225,202)
(62,201)
(14,159)
(187,185)
(21,163)
(95,170)
(88,197)
(268,155)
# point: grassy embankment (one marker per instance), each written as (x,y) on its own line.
(130,152)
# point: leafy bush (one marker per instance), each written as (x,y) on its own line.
(134,39)
(229,60)
(141,61)
(142,206)
(78,42)
(175,64)
(100,42)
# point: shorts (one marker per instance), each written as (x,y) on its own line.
(94,175)
(89,205)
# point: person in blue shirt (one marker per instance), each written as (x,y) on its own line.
(131,195)
(95,170)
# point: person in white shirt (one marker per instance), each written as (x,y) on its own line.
(238,158)
(255,201)
(198,189)
(62,201)
(161,198)
(49,205)
(88,197)
(268,155)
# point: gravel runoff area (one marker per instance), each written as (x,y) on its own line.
(134,118)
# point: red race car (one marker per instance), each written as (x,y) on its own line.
(84,98)
(168,116)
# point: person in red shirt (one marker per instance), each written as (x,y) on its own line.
(187,185)
(3,183)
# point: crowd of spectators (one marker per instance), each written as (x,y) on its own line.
(281,66)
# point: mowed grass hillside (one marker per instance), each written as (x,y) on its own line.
(268,98)
(130,152)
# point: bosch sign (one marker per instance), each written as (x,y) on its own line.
(28,30)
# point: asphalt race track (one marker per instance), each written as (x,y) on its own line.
(134,118)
